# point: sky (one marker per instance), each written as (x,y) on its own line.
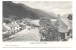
(57,7)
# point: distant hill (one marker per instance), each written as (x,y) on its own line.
(17,11)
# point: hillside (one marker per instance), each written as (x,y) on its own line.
(17,11)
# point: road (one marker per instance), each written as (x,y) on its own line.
(26,35)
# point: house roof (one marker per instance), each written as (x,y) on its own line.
(35,22)
(65,20)
(5,27)
(12,24)
(68,22)
(63,25)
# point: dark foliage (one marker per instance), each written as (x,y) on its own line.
(70,16)
(48,30)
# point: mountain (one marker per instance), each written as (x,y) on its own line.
(18,11)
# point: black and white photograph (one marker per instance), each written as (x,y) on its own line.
(36,21)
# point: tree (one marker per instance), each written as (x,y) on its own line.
(70,16)
(47,30)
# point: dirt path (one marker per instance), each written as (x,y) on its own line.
(26,35)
